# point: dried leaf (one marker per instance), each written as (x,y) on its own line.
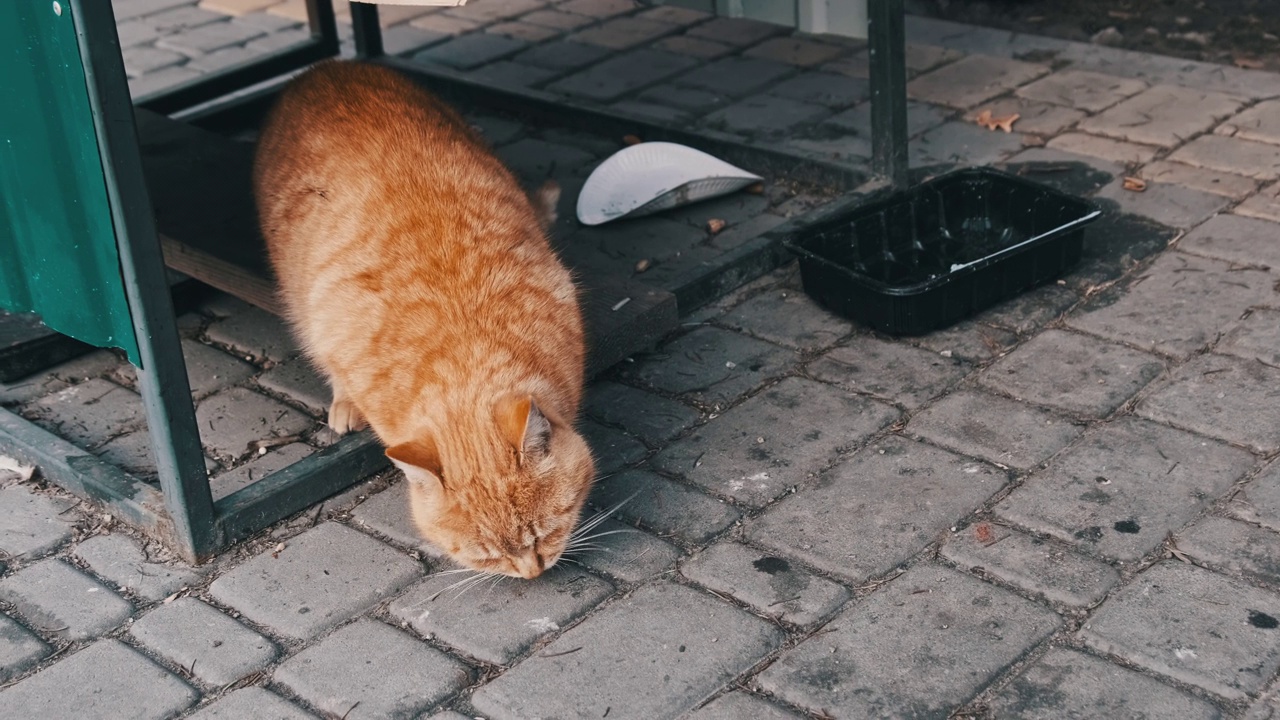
(1248,63)
(1133,184)
(631,140)
(983,534)
(279,549)
(24,472)
(756,189)
(715,225)
(642,266)
(986,120)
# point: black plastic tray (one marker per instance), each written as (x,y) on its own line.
(924,258)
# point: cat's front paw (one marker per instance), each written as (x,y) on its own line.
(345,417)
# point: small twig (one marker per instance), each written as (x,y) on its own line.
(348,712)
(257,445)
(559,654)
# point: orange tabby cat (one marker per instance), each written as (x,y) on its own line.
(419,278)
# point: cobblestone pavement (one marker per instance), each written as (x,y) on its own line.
(1068,506)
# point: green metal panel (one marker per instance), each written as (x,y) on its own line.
(58,254)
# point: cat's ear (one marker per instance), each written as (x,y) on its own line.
(420,462)
(524,426)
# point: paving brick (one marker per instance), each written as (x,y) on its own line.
(1266,707)
(920,118)
(556,19)
(1068,684)
(141,60)
(1234,547)
(756,451)
(257,468)
(236,7)
(1170,205)
(970,341)
(118,559)
(155,82)
(790,318)
(387,513)
(389,14)
(1072,372)
(693,47)
(619,75)
(1181,304)
(1034,117)
(1260,123)
(691,99)
(406,39)
(64,602)
(33,525)
(628,554)
(290,37)
(1124,487)
(653,418)
(128,9)
(927,642)
(711,365)
(599,9)
(889,371)
(444,24)
(735,76)
(1032,310)
(232,419)
(1265,205)
(622,33)
(29,388)
(212,647)
(255,334)
(769,584)
(826,89)
(19,650)
(1162,622)
(208,370)
(1082,90)
(675,15)
(736,31)
(471,51)
(1118,152)
(346,674)
(496,130)
(252,702)
(994,428)
(612,449)
(90,413)
(1242,240)
(1033,565)
(132,453)
(738,705)
(501,620)
(1163,115)
(534,160)
(692,645)
(105,680)
(1222,397)
(766,116)
(527,32)
(208,38)
(902,494)
(562,55)
(962,143)
(972,80)
(299,381)
(322,578)
(739,234)
(795,51)
(1256,337)
(1236,187)
(664,506)
(1232,155)
(269,21)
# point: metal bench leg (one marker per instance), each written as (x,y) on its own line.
(365,29)
(886,33)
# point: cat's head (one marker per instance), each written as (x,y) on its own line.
(507,498)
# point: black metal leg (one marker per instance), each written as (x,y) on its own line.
(365,29)
(886,33)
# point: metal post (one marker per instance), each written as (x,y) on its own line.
(886,33)
(162,378)
(365,29)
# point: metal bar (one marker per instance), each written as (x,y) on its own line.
(162,378)
(366,31)
(886,33)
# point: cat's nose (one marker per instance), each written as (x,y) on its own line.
(528,565)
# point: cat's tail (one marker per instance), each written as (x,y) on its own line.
(545,200)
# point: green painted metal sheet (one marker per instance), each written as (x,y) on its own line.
(58,254)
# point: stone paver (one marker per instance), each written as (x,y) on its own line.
(19,650)
(209,645)
(1242,240)
(527,32)
(994,428)
(1259,500)
(657,653)
(765,116)
(1171,205)
(255,335)
(1265,205)
(921,117)
(90,413)
(370,670)
(1033,565)
(322,578)
(562,56)
(132,453)
(972,80)
(1236,187)
(232,419)
(738,705)
(795,51)
(59,600)
(252,702)
(257,468)
(1260,123)
(1236,547)
(1180,305)
(736,31)
(919,647)
(626,553)
(1124,487)
(757,451)
(1194,626)
(1222,397)
(497,620)
(1257,337)
(652,417)
(889,371)
(617,76)
(878,509)
(297,380)
(826,89)
(1260,161)
(387,513)
(471,51)
(118,559)
(1082,90)
(663,505)
(735,76)
(1072,372)
(788,317)
(1034,117)
(1069,684)
(962,143)
(969,340)
(32,524)
(622,33)
(107,681)
(1163,115)
(712,366)
(209,38)
(1032,310)
(770,584)
(612,449)
(1114,150)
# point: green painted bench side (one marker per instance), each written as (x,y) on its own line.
(58,254)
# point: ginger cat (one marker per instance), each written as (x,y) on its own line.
(418,276)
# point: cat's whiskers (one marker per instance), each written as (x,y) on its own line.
(595,520)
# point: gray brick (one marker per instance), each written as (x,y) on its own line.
(208,370)
(757,451)
(739,705)
(1233,155)
(736,31)
(488,12)
(145,59)
(675,15)
(735,76)
(512,74)
(994,428)
(1234,547)
(496,130)
(646,238)
(105,680)
(924,645)
(711,365)
(1171,205)
(128,9)
(257,468)
(972,80)
(1161,622)
(653,418)
(19,650)
(346,674)
(299,381)
(29,388)
(471,51)
(1032,310)
(233,418)
(119,560)
(628,554)
(612,449)
(890,371)
(739,234)
(765,116)
(1266,707)
(1081,89)
(1259,500)
(556,19)
(1258,123)
(969,340)
(617,76)
(267,21)
(498,622)
(920,118)
(622,33)
(31,524)
(155,82)
(222,59)
(64,602)
(691,99)
(693,47)
(388,513)
(528,32)
(794,50)
(442,24)
(691,646)
(288,38)
(1222,397)
(1034,565)
(929,491)
(1181,305)
(90,413)
(1265,205)
(788,317)
(534,160)
(208,38)
(1236,187)
(1163,115)
(1124,487)
(769,584)
(1065,683)
(323,577)
(1236,239)
(666,507)
(252,702)
(212,647)
(963,143)
(1035,118)
(562,56)
(1257,337)
(254,334)
(598,8)
(406,39)
(827,89)
(132,453)
(181,19)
